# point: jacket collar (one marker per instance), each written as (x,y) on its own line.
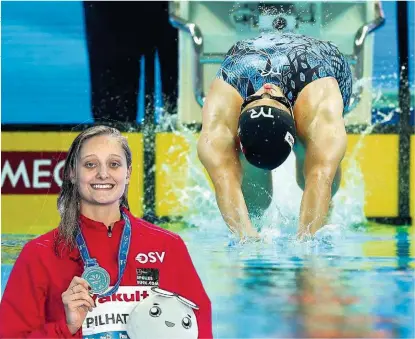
(91,225)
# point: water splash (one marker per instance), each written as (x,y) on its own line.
(352,195)
(197,202)
(197,197)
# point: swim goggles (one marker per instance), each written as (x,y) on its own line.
(168,294)
(282,100)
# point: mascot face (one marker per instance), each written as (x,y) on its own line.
(163,315)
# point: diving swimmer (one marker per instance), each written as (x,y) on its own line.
(273,94)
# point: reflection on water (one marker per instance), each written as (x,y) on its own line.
(360,285)
(310,290)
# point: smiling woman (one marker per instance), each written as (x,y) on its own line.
(96,254)
(95,179)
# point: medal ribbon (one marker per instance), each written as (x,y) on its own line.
(122,253)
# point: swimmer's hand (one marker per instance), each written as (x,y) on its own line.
(250,236)
(77,302)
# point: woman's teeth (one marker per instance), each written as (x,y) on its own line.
(105,186)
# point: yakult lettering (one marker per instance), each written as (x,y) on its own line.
(122,297)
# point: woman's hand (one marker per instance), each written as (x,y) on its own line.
(77,302)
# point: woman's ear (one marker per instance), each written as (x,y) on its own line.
(130,169)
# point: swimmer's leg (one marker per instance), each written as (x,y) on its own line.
(256,188)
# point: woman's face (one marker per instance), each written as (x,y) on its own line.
(102,171)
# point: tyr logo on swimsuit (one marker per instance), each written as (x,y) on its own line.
(151,257)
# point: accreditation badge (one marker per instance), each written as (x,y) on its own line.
(109,319)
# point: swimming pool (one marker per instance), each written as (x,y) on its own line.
(356,279)
(359,283)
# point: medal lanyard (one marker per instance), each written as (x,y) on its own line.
(122,253)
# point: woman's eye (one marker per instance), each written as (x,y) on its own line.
(115,164)
(90,165)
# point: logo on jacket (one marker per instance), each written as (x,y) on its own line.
(147,276)
(150,257)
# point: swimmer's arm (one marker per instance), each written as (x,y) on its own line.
(218,152)
(325,148)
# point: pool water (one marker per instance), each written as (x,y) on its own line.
(354,279)
(348,282)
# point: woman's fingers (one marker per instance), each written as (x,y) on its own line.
(75,293)
(78,281)
(80,303)
(83,295)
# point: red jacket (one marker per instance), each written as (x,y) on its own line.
(32,306)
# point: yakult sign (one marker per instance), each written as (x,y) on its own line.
(31,172)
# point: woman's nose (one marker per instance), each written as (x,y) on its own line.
(102,172)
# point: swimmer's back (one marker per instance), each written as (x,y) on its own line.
(290,61)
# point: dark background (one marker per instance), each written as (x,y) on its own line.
(62,67)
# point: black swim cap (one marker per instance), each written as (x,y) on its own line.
(266,135)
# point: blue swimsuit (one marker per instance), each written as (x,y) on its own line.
(290,61)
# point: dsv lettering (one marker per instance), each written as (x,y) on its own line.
(137,296)
(151,257)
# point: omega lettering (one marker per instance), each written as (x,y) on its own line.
(31,172)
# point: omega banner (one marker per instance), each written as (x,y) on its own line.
(31,172)
(31,177)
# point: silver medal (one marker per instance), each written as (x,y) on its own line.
(98,278)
